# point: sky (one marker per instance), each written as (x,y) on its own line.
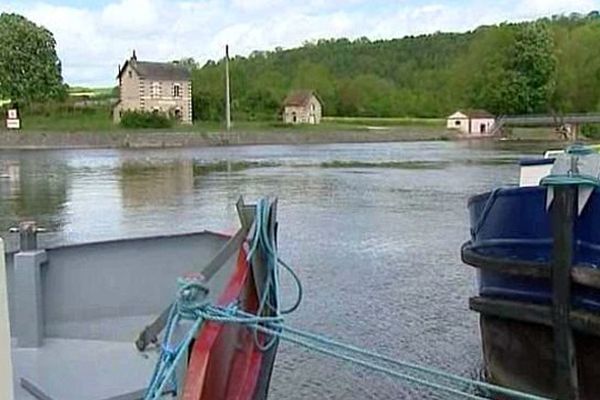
(94,36)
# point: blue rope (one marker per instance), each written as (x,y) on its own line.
(268,320)
(326,346)
(189,304)
(573,177)
(187,307)
(570,179)
(484,214)
(262,243)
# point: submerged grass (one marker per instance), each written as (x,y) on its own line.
(385,164)
(230,166)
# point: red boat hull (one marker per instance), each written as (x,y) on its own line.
(225,363)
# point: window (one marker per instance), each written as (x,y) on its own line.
(176,90)
(457,123)
(178,114)
(129,73)
(294,117)
(312,107)
(155,89)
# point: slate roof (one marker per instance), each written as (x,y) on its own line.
(472,114)
(158,70)
(299,98)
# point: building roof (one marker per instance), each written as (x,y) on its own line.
(157,70)
(299,98)
(474,113)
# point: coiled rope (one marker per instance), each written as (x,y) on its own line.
(269,321)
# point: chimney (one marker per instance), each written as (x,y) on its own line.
(134,56)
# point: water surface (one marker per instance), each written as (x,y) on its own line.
(373,230)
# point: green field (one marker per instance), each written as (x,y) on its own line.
(93,119)
(80,91)
(387,122)
(61,118)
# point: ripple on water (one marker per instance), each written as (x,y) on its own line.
(377,248)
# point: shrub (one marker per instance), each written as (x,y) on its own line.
(591,131)
(145,119)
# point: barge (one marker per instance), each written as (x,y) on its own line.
(536,249)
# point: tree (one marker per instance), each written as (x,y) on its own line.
(480,76)
(532,67)
(510,69)
(187,62)
(552,64)
(29,66)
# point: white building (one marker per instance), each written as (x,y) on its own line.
(302,107)
(472,122)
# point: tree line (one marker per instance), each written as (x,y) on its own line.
(551,65)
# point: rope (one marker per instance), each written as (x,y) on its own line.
(190,306)
(327,346)
(573,177)
(484,214)
(262,243)
(570,179)
(187,307)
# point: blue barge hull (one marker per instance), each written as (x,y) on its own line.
(513,224)
(511,246)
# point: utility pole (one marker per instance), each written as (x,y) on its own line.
(6,373)
(227,94)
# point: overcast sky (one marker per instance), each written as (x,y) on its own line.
(95,36)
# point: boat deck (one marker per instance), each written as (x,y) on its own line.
(75,369)
(76,317)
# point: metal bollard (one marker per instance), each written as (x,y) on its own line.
(27,231)
(27,281)
(28,235)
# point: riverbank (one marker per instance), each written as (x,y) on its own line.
(205,134)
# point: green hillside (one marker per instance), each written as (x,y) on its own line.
(549,65)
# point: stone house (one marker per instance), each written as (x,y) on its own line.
(472,122)
(302,107)
(157,87)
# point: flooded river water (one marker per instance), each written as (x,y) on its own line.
(373,231)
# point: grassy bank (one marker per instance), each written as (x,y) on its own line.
(84,119)
(58,126)
(388,122)
(60,119)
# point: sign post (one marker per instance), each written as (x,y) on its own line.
(12,119)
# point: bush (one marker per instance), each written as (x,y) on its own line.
(145,119)
(591,131)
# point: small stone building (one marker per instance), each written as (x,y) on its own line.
(302,107)
(472,122)
(156,87)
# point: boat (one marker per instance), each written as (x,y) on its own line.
(536,249)
(86,318)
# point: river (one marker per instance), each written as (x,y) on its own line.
(373,231)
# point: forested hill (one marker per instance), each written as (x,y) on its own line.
(549,65)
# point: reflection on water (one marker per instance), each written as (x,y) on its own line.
(33,188)
(146,184)
(375,236)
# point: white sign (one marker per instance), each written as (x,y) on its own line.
(13,124)
(12,114)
